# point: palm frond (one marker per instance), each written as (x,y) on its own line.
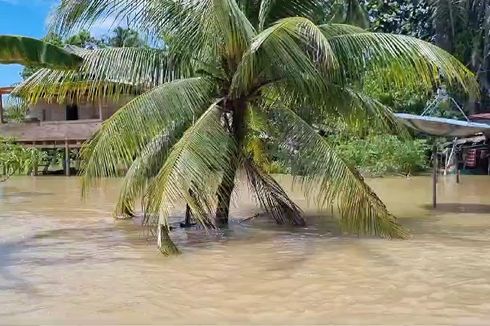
(333,30)
(105,73)
(192,28)
(256,119)
(234,26)
(324,172)
(291,48)
(193,169)
(132,127)
(70,15)
(271,11)
(165,243)
(271,197)
(342,103)
(183,24)
(408,56)
(265,9)
(145,167)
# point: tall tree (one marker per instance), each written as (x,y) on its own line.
(349,12)
(233,67)
(407,17)
(82,39)
(463,28)
(125,37)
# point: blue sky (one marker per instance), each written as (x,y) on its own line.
(22,17)
(28,18)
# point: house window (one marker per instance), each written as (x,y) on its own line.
(72,112)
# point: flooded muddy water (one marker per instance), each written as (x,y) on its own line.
(66,261)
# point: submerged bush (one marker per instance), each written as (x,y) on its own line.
(378,155)
(16,159)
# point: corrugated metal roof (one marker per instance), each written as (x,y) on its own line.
(441,126)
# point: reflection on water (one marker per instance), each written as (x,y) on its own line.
(63,260)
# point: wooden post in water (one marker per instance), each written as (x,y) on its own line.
(458,175)
(1,110)
(35,169)
(67,158)
(434,176)
(101,116)
(77,161)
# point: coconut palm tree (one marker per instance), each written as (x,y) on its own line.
(232,69)
(26,50)
(351,12)
(125,37)
(462,27)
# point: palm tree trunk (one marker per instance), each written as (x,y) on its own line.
(225,190)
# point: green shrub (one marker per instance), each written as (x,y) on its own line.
(16,159)
(378,155)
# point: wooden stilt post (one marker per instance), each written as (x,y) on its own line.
(100,110)
(434,176)
(1,110)
(67,158)
(77,161)
(35,169)
(458,175)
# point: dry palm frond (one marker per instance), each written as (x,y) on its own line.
(271,197)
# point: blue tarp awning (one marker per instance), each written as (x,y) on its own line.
(443,127)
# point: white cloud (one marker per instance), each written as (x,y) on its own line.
(105,26)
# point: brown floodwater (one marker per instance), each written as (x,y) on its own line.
(66,261)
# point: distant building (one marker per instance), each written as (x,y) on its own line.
(52,125)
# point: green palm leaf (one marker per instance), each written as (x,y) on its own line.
(127,132)
(359,52)
(29,51)
(341,103)
(291,48)
(331,30)
(195,165)
(105,73)
(145,167)
(271,11)
(361,211)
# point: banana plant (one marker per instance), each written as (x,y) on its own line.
(29,51)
